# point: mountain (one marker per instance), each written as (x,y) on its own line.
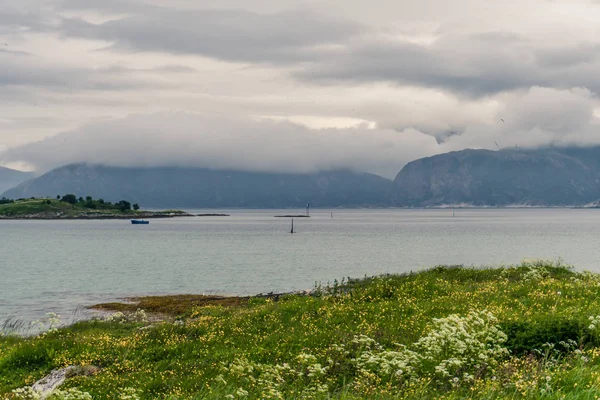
(167,187)
(536,177)
(10,178)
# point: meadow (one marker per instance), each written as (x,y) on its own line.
(530,331)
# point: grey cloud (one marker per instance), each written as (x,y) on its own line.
(21,69)
(4,49)
(538,117)
(475,65)
(472,64)
(223,34)
(31,15)
(330,51)
(568,56)
(105,5)
(174,69)
(226,142)
(368,60)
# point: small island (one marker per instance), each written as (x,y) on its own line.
(70,206)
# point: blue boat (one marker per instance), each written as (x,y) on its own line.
(139,222)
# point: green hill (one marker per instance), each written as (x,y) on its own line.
(37,208)
(526,332)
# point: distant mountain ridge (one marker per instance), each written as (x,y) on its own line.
(534,177)
(167,187)
(10,178)
(509,177)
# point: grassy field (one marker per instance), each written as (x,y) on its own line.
(55,209)
(524,332)
(34,206)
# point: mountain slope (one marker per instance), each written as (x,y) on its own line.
(540,177)
(10,178)
(204,188)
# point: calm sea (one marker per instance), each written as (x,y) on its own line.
(60,266)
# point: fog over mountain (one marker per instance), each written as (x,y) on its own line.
(169,187)
(294,86)
(540,117)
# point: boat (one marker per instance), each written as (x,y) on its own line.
(139,222)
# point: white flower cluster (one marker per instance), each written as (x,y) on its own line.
(594,322)
(535,272)
(48,324)
(455,349)
(535,269)
(455,343)
(28,393)
(138,316)
(129,394)
(395,366)
(275,380)
(71,394)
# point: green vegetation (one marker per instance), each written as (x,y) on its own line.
(71,207)
(526,332)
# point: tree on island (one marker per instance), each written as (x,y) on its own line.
(100,204)
(124,205)
(69,198)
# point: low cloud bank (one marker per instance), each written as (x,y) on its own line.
(538,117)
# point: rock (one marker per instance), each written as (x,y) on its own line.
(47,385)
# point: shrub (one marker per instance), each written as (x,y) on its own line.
(527,336)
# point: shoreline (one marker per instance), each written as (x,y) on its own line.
(171,305)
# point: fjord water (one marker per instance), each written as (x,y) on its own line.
(60,266)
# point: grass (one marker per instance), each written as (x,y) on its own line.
(35,206)
(415,336)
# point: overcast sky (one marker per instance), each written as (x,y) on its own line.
(292,85)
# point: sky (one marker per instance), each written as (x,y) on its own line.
(292,85)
